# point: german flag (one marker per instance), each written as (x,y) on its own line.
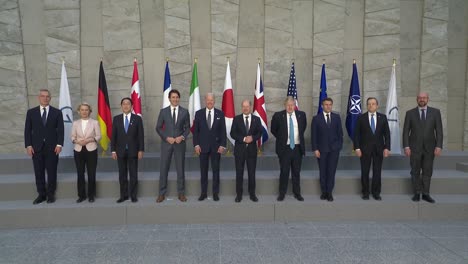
(104,112)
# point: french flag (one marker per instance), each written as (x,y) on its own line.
(167,87)
(260,108)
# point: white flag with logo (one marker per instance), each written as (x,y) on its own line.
(392,115)
(67,112)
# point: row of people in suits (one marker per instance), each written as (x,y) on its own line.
(422,138)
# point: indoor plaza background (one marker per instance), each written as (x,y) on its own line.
(428,39)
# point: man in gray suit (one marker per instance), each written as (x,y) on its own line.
(173,127)
(422,140)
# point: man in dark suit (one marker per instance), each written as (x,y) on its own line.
(422,140)
(127,146)
(246,130)
(288,127)
(209,141)
(327,141)
(43,139)
(372,144)
(173,127)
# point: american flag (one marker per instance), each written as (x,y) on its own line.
(292,90)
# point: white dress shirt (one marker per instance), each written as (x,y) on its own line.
(176,112)
(42,110)
(212,115)
(250,120)
(129,118)
(325,116)
(375,119)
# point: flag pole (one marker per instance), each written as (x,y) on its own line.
(352,146)
(259,152)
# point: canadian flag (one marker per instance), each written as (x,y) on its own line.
(135,94)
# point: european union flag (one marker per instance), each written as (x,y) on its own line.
(354,103)
(323,89)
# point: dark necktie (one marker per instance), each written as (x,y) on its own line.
(44,116)
(423,114)
(174,116)
(328,119)
(247,124)
(209,120)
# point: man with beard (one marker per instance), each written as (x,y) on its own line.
(422,141)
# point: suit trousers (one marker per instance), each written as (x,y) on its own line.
(45,160)
(241,159)
(86,159)
(167,150)
(375,158)
(421,171)
(290,160)
(328,162)
(204,162)
(128,165)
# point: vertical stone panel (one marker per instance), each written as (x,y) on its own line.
(434,55)
(224,27)
(62,41)
(178,47)
(329,31)
(381,46)
(12,79)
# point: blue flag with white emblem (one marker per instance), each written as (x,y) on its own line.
(354,103)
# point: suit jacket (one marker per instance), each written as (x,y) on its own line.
(43,137)
(365,140)
(209,140)
(133,140)
(238,132)
(166,128)
(92,131)
(279,128)
(420,135)
(327,138)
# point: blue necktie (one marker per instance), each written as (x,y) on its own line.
(372,124)
(291,132)
(126,123)
(44,116)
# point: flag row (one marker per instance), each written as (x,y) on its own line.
(105,116)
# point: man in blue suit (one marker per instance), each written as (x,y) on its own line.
(43,139)
(327,141)
(209,141)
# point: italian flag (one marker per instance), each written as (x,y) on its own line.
(194,100)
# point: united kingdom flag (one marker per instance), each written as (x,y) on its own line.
(259,107)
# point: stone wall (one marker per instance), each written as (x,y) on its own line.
(428,38)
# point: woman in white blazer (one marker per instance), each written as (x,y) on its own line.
(85,135)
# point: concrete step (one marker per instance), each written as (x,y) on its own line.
(22,186)
(16,163)
(65,212)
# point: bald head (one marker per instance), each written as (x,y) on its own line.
(422,99)
(246,105)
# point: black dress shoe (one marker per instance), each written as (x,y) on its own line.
(39,200)
(122,199)
(215,197)
(80,200)
(238,199)
(416,197)
(134,200)
(91,199)
(323,196)
(202,197)
(428,198)
(299,197)
(365,197)
(280,198)
(330,197)
(377,197)
(51,199)
(254,198)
